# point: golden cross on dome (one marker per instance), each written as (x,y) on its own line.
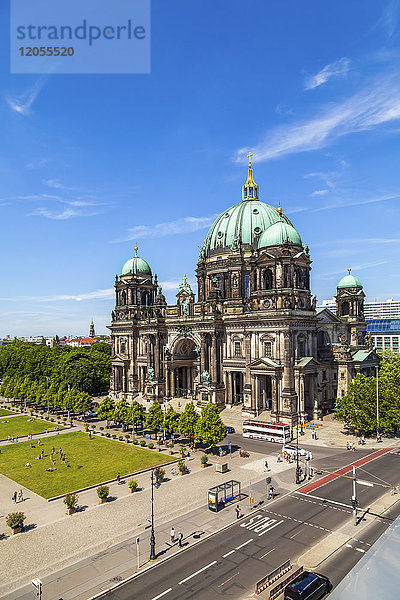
(349,270)
(250,154)
(136,249)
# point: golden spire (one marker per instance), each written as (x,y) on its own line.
(250,188)
(279,209)
(349,270)
(136,249)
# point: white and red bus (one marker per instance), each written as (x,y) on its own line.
(269,432)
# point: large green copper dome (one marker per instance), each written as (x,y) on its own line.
(349,281)
(278,234)
(136,266)
(241,224)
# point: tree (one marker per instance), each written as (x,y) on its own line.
(155,417)
(171,420)
(123,413)
(83,403)
(209,428)
(106,410)
(138,412)
(188,421)
(358,407)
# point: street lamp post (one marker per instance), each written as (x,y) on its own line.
(152,536)
(297,444)
(377,403)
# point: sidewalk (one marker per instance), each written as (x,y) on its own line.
(80,554)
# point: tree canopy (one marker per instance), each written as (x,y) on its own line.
(155,416)
(86,369)
(358,407)
(188,421)
(209,428)
(171,420)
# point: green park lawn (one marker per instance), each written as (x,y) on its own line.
(4,412)
(91,461)
(19,426)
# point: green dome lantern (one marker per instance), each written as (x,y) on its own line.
(136,266)
(349,281)
(279,234)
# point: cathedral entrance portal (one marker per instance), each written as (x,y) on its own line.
(263,392)
(184,368)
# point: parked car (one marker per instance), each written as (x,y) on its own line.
(230,429)
(308,586)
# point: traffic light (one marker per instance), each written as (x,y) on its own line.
(354,503)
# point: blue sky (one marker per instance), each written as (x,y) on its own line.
(92,164)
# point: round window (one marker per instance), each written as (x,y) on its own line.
(255,211)
(220,234)
(257,230)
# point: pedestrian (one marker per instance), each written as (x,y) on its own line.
(180,538)
(359,441)
(118,478)
(310,455)
(266,465)
(16,439)
(271,492)
(347,445)
(14,497)
(172,535)
(362,440)
(20,496)
(237,511)
(354,447)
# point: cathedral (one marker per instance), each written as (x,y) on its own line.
(253,337)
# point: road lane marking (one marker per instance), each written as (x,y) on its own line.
(226,581)
(196,573)
(326,500)
(245,544)
(269,552)
(266,531)
(228,553)
(163,594)
(349,546)
(297,533)
(359,549)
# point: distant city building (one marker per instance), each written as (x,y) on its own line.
(78,342)
(385,333)
(91,330)
(388,309)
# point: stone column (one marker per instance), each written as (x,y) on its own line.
(157,357)
(214,358)
(167,390)
(233,386)
(302,394)
(203,354)
(172,375)
(247,353)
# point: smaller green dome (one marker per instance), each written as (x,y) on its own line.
(278,234)
(136,266)
(349,281)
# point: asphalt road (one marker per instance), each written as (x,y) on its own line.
(228,564)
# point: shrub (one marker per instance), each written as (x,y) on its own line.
(171,445)
(101,428)
(135,442)
(160,474)
(107,434)
(15,519)
(182,466)
(204,459)
(160,442)
(182,450)
(71,500)
(127,436)
(150,445)
(93,427)
(103,491)
(120,437)
(51,419)
(133,484)
(114,435)
(142,443)
(102,433)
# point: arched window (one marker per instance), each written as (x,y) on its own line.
(345,309)
(301,347)
(267,279)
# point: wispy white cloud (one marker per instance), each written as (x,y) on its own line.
(376,105)
(184,225)
(390,18)
(66,213)
(319,192)
(346,202)
(338,68)
(105,294)
(354,268)
(22,104)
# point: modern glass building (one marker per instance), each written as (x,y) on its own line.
(385,333)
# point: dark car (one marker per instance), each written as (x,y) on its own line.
(230,429)
(308,586)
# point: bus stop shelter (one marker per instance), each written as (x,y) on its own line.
(220,495)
